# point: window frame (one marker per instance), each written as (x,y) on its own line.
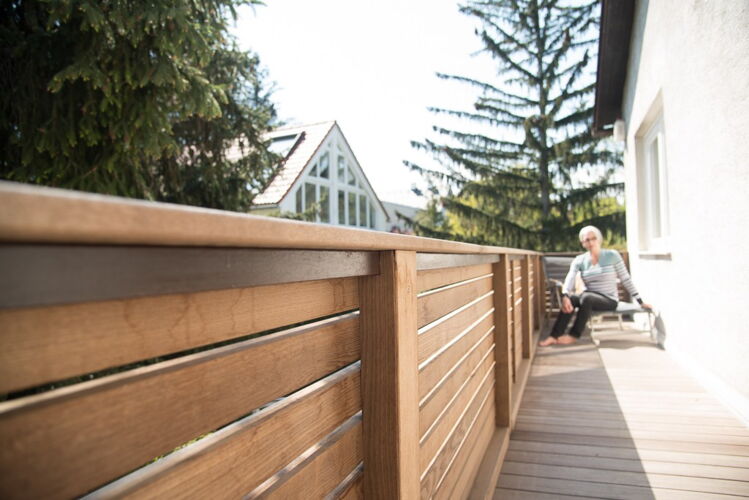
(652,188)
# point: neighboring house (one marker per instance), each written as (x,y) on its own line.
(398,224)
(674,74)
(319,169)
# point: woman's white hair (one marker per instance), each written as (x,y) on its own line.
(590,229)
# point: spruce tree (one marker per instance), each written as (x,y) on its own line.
(114,97)
(522,168)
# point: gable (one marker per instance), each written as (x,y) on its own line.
(334,179)
(299,144)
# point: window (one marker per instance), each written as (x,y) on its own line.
(351,177)
(325,166)
(324,204)
(371,216)
(352,209)
(299,203)
(363,210)
(341,169)
(652,188)
(310,195)
(341,207)
(313,171)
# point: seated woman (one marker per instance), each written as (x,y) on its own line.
(599,269)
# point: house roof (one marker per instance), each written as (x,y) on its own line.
(613,54)
(308,140)
(297,145)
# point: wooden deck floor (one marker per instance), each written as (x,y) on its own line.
(622,420)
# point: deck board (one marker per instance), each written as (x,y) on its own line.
(621,420)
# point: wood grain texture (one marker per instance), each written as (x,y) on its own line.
(449,419)
(486,478)
(440,399)
(238,458)
(320,469)
(439,369)
(527,293)
(622,421)
(123,421)
(436,278)
(38,214)
(41,275)
(433,478)
(441,334)
(517,317)
(433,305)
(466,465)
(390,378)
(39,345)
(502,344)
(350,488)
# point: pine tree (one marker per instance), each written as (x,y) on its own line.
(525,169)
(111,96)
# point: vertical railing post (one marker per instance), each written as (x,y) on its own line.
(502,347)
(527,307)
(389,378)
(540,291)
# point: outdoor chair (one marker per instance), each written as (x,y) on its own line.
(556,268)
(622,309)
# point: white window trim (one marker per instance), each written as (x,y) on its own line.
(647,164)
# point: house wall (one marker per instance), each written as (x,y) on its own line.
(691,58)
(331,145)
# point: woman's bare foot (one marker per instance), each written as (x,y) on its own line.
(566,340)
(548,341)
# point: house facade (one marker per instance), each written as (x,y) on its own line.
(673,84)
(319,174)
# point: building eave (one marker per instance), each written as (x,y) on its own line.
(617,17)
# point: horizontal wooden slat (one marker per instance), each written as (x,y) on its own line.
(427,261)
(350,488)
(465,467)
(440,334)
(439,367)
(435,304)
(237,459)
(433,477)
(122,421)
(36,275)
(39,345)
(461,374)
(440,432)
(435,278)
(320,469)
(36,214)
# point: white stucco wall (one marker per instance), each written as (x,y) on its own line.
(695,55)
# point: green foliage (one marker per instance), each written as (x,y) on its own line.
(113,96)
(538,175)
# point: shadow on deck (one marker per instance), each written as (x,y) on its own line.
(622,420)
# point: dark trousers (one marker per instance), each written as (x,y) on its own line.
(585,303)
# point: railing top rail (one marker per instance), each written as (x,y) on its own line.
(34,214)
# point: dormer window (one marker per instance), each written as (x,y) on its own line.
(341,168)
(351,177)
(324,166)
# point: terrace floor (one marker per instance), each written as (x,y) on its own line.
(622,420)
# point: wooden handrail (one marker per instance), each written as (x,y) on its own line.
(423,345)
(48,215)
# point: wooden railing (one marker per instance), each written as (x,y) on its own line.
(257,357)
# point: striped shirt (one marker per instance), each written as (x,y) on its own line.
(602,276)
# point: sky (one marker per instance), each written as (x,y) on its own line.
(369,65)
